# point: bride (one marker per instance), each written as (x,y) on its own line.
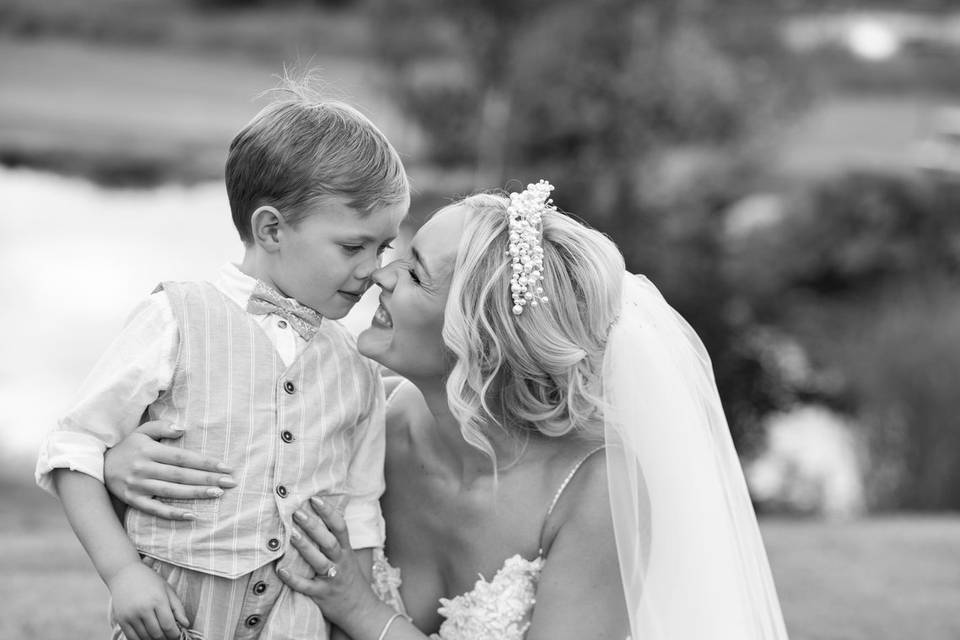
(558,463)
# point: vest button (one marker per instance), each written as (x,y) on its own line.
(286,436)
(252,621)
(260,588)
(281,491)
(289,387)
(273,544)
(282,324)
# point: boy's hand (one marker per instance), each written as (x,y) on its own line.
(145,606)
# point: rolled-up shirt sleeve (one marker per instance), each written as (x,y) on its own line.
(134,370)
(365,477)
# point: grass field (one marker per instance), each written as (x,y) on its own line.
(886,578)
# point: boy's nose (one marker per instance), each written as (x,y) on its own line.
(367,267)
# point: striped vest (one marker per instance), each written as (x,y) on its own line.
(287,432)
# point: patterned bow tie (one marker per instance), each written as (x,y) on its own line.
(303,319)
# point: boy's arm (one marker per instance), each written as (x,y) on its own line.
(143,604)
(365,479)
(88,508)
(131,373)
(366,485)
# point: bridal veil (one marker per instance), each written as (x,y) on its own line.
(692,561)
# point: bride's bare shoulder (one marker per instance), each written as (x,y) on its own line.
(583,499)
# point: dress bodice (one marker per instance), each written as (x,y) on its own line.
(496,609)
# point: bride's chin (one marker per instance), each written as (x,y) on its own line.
(374,342)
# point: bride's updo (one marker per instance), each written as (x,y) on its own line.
(539,370)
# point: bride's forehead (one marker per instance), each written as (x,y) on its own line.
(439,237)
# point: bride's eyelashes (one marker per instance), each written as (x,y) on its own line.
(408,265)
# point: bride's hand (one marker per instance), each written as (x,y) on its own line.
(139,469)
(339,588)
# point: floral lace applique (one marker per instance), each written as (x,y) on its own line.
(386,582)
(496,610)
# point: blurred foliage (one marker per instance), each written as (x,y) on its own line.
(903,366)
(499,85)
(865,267)
(850,234)
(640,112)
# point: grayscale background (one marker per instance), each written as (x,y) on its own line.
(787,172)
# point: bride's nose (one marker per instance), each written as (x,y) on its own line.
(385,277)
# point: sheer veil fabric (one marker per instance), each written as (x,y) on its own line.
(692,561)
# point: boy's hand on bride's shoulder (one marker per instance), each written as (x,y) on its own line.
(145,607)
(139,469)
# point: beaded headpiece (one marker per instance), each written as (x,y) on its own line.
(526,236)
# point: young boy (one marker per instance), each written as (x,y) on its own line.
(257,372)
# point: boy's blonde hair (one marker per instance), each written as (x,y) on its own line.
(301,148)
(541,369)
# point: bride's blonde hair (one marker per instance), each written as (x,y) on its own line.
(539,370)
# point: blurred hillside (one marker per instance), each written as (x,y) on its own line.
(142,92)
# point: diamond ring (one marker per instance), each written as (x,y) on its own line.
(331,572)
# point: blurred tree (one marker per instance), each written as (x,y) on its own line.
(865,267)
(640,112)
(903,364)
(849,234)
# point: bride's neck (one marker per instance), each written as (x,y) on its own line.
(446,441)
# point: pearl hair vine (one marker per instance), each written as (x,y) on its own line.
(525,214)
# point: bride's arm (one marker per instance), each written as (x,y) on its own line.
(346,599)
(139,469)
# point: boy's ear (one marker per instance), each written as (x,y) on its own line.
(265,225)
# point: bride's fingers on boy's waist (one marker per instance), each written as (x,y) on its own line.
(187,476)
(332,517)
(175,491)
(159,429)
(154,507)
(177,457)
(171,454)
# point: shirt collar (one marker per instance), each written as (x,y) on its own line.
(235,284)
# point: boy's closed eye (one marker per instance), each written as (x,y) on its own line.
(353,249)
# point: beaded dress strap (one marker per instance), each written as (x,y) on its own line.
(560,489)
